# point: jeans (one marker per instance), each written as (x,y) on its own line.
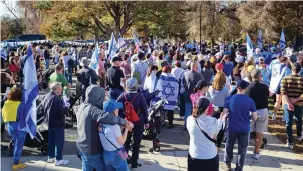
(242,148)
(188,110)
(114,93)
(91,162)
(68,73)
(47,63)
(113,161)
(18,140)
(55,142)
(182,105)
(137,134)
(289,118)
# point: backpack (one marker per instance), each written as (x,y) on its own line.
(130,113)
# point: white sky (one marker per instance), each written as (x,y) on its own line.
(3,9)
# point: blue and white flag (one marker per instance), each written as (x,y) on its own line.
(169,88)
(30,92)
(136,40)
(259,41)
(154,43)
(3,53)
(112,47)
(282,42)
(94,63)
(249,47)
(121,42)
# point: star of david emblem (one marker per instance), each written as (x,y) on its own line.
(168,90)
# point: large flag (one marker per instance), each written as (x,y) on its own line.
(259,41)
(112,47)
(121,42)
(94,63)
(136,40)
(249,47)
(3,53)
(30,92)
(282,40)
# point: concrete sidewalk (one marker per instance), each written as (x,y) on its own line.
(275,157)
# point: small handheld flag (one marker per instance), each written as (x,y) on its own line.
(121,42)
(249,47)
(259,41)
(282,42)
(3,53)
(112,47)
(94,64)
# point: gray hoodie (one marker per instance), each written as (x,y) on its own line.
(89,115)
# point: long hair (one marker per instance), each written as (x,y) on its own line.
(219,81)
(199,110)
(150,70)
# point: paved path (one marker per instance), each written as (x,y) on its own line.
(275,158)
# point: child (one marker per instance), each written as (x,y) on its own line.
(201,89)
(112,140)
(10,115)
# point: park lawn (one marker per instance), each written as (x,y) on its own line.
(278,129)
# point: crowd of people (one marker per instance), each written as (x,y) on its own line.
(221,93)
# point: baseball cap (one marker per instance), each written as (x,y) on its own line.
(203,103)
(242,84)
(131,83)
(116,58)
(219,66)
(111,105)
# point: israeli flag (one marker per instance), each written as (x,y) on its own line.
(154,43)
(249,47)
(259,41)
(112,47)
(94,63)
(121,42)
(27,108)
(3,53)
(136,39)
(282,40)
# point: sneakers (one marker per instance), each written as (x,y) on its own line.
(18,166)
(136,166)
(257,156)
(52,160)
(227,167)
(290,146)
(61,162)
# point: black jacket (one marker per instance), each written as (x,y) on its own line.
(54,111)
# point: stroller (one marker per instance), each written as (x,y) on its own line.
(154,119)
(45,77)
(41,139)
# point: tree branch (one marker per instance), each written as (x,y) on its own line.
(10,9)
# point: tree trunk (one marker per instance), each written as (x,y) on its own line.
(96,34)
